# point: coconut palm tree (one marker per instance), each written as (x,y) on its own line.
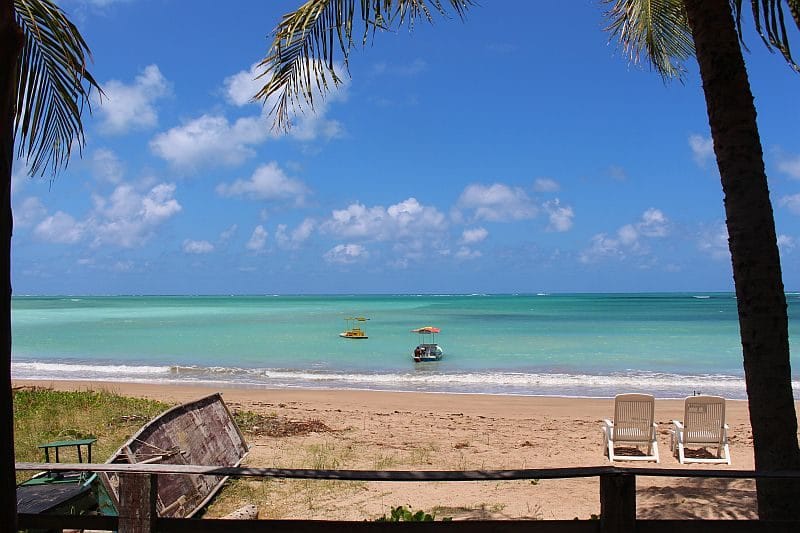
(300,63)
(45,86)
(763,323)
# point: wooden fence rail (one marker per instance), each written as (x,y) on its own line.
(138,482)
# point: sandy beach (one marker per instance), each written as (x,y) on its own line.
(422,431)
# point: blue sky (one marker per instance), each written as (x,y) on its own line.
(509,153)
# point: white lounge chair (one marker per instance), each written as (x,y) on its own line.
(703,427)
(633,426)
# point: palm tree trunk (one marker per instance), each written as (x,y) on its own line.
(10,48)
(761,299)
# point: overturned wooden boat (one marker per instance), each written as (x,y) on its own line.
(201,432)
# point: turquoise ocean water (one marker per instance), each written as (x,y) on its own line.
(593,345)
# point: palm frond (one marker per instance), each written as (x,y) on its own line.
(771,24)
(655,31)
(300,61)
(54,86)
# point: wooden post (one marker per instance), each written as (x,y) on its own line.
(617,503)
(137,503)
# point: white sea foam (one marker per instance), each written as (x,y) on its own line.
(663,385)
(53,370)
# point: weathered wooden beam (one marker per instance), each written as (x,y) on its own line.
(409,475)
(181,525)
(716,526)
(137,503)
(57,522)
(617,503)
(174,525)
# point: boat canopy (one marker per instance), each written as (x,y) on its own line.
(426,330)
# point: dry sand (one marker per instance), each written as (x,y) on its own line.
(419,431)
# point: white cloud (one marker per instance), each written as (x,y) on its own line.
(60,228)
(19,178)
(560,217)
(786,243)
(653,223)
(106,166)
(790,165)
(306,124)
(123,266)
(210,140)
(601,247)
(312,124)
(346,254)
(791,202)
(297,237)
(702,149)
(128,218)
(226,235)
(268,182)
(474,235)
(241,87)
(629,238)
(497,202)
(466,252)
(416,230)
(258,239)
(30,211)
(627,235)
(197,247)
(546,185)
(714,242)
(128,107)
(408,218)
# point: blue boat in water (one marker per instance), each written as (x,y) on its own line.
(427,351)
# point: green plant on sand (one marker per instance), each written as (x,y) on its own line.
(401,514)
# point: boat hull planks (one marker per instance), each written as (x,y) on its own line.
(202,432)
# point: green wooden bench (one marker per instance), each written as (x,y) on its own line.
(57,445)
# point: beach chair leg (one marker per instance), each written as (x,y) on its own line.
(609,444)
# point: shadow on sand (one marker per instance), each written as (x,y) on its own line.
(697,498)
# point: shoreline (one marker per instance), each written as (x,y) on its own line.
(495,383)
(372,430)
(497,403)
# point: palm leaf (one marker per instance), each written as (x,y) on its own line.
(54,85)
(655,31)
(300,61)
(771,24)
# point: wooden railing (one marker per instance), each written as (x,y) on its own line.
(138,483)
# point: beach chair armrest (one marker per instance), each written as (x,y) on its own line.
(677,424)
(608,423)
